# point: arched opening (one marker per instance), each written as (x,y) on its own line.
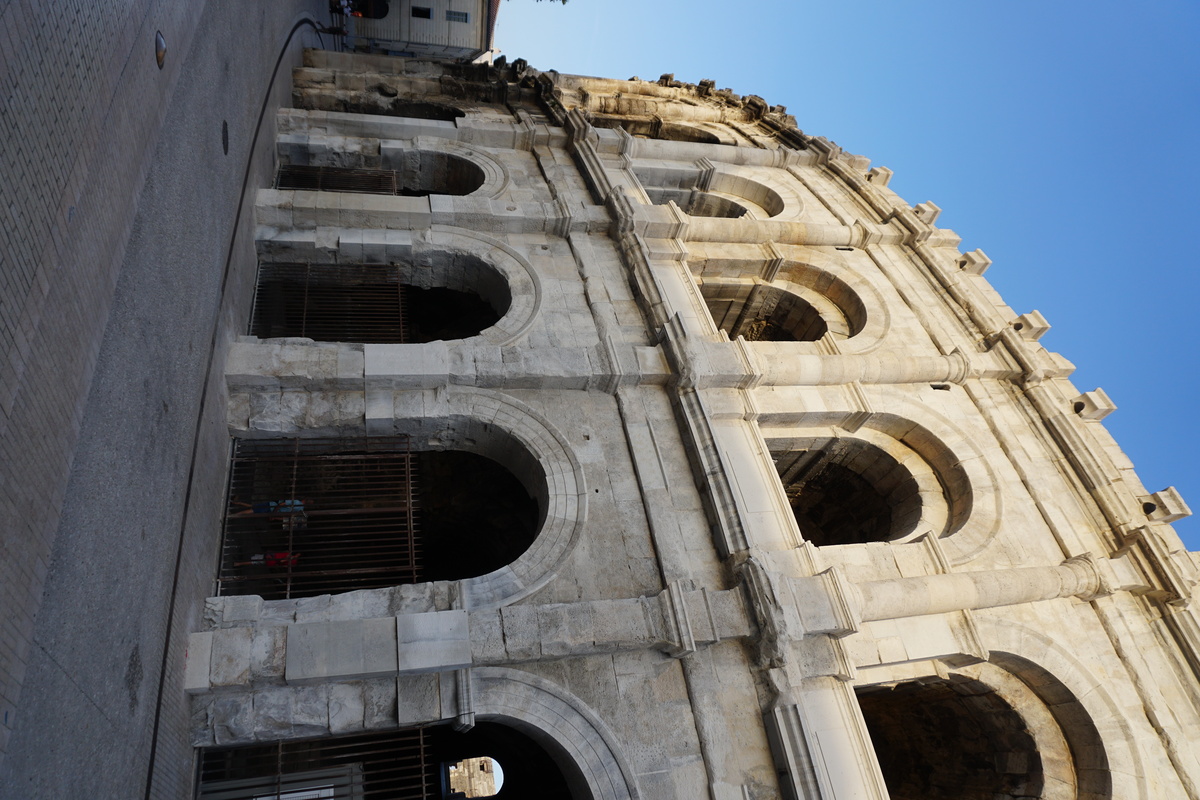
(377,303)
(417,173)
(848,491)
(655,128)
(307,517)
(953,740)
(762,313)
(382,99)
(706,204)
(406,764)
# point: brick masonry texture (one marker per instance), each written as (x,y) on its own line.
(85,113)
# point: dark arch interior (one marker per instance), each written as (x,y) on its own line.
(763,314)
(476,515)
(418,173)
(651,128)
(379,99)
(704,204)
(946,740)
(848,492)
(308,517)
(407,764)
(370,304)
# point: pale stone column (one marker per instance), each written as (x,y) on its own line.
(878,368)
(937,594)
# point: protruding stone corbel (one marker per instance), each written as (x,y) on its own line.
(1093,406)
(1165,506)
(975,262)
(880,176)
(927,212)
(1031,326)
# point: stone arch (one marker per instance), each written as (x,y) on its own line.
(859,488)
(442,256)
(850,305)
(578,741)
(976,732)
(440,246)
(1102,740)
(428,154)
(759,190)
(761,312)
(670,131)
(867,316)
(958,460)
(560,722)
(492,425)
(808,313)
(469,419)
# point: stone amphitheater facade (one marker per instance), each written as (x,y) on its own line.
(814,513)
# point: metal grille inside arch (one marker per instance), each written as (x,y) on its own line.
(307,517)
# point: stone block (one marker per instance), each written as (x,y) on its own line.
(1031,326)
(233,719)
(198,657)
(349,649)
(230,664)
(1094,405)
(418,699)
(346,707)
(432,642)
(379,703)
(1166,506)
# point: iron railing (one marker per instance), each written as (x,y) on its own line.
(332,303)
(307,517)
(338,179)
(396,765)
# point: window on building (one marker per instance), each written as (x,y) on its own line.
(428,173)
(421,12)
(367,303)
(307,517)
(406,764)
(458,16)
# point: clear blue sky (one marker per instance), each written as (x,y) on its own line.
(1057,136)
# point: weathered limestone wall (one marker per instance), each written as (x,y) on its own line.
(675,613)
